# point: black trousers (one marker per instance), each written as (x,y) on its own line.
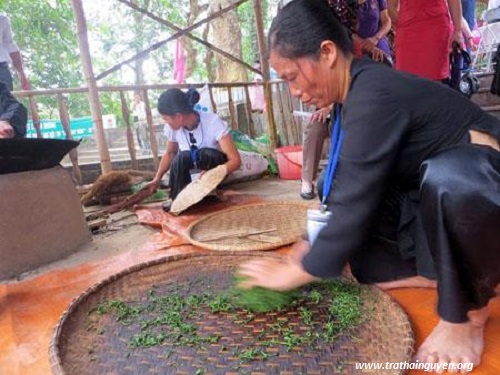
(206,159)
(449,230)
(6,75)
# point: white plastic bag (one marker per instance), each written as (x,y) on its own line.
(252,166)
(205,104)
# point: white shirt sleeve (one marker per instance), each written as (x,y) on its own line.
(219,128)
(6,32)
(169,134)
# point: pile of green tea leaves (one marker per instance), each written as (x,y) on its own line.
(194,314)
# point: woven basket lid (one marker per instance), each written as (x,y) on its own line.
(199,189)
(259,226)
(87,343)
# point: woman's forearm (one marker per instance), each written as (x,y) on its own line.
(385,26)
(393,10)
(233,165)
(164,166)
(455,7)
(233,156)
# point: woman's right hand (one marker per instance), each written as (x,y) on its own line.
(151,186)
(377,54)
(299,249)
(320,115)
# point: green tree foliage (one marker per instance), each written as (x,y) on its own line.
(45,31)
(249,31)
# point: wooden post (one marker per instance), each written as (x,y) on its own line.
(73,154)
(35,117)
(264,64)
(297,125)
(152,135)
(248,105)
(95,105)
(284,124)
(130,134)
(210,92)
(234,123)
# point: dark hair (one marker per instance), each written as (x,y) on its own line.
(175,101)
(302,25)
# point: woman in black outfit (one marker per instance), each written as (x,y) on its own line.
(415,194)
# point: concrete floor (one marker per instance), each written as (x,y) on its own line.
(124,233)
(30,308)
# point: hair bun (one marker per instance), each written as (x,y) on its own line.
(193,97)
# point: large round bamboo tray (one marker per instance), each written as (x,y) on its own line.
(83,345)
(253,227)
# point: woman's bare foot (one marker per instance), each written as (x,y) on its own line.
(410,282)
(455,347)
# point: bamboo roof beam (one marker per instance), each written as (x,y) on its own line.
(180,32)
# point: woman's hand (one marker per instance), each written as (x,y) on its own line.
(367,45)
(299,250)
(317,116)
(6,130)
(277,274)
(458,37)
(377,54)
(151,186)
(373,40)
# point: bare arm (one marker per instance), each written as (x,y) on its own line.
(17,62)
(455,7)
(15,55)
(385,27)
(166,160)
(467,34)
(385,24)
(233,157)
(393,11)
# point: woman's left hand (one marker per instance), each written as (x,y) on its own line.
(277,274)
(458,37)
(377,54)
(373,40)
(367,45)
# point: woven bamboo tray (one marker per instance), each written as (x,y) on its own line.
(199,189)
(253,227)
(86,344)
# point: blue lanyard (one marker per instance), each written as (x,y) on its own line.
(194,154)
(333,159)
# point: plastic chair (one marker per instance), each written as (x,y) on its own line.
(490,38)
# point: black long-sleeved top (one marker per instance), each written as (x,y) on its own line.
(392,122)
(12,111)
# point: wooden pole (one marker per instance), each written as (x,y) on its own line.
(284,124)
(73,154)
(35,117)
(234,123)
(264,64)
(180,32)
(211,93)
(248,106)
(95,105)
(152,135)
(297,125)
(130,134)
